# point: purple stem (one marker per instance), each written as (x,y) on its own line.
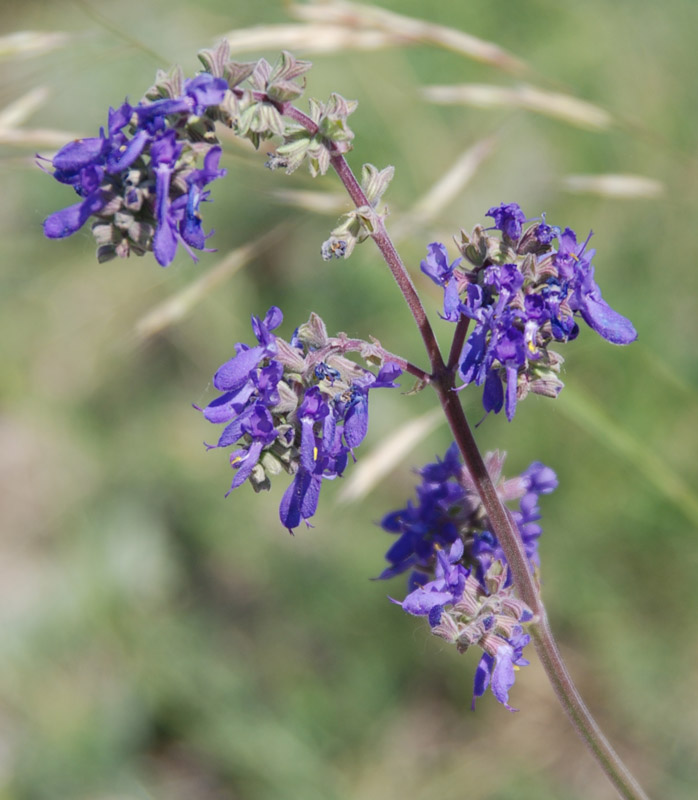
(503,526)
(458,340)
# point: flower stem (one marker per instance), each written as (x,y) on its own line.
(380,237)
(503,525)
(394,262)
(458,340)
(500,518)
(546,647)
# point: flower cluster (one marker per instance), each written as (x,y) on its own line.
(459,574)
(298,406)
(523,292)
(139,178)
(486,614)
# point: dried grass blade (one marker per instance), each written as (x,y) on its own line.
(564,107)
(614,185)
(179,305)
(410,29)
(23,44)
(387,455)
(19,111)
(308,38)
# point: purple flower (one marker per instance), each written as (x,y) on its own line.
(258,424)
(446,588)
(464,588)
(235,373)
(69,220)
(436,266)
(508,218)
(139,180)
(300,500)
(587,300)
(539,478)
(498,669)
(448,509)
(205,91)
(520,307)
(190,225)
(298,407)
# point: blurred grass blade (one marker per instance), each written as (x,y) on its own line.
(178,306)
(355,15)
(445,190)
(581,410)
(31,43)
(21,109)
(36,138)
(682,380)
(317,202)
(308,38)
(369,471)
(529,98)
(610,185)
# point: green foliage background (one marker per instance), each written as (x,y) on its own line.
(159,641)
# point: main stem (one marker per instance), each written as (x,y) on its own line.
(503,525)
(500,518)
(546,647)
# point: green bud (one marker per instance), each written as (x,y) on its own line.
(217,62)
(259,480)
(313,332)
(288,400)
(318,156)
(281,85)
(473,247)
(288,356)
(167,84)
(271,464)
(374,182)
(499,252)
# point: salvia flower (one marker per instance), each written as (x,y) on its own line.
(448,509)
(138,179)
(467,612)
(459,577)
(299,407)
(522,293)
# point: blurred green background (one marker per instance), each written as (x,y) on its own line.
(159,641)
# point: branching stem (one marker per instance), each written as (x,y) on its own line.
(503,525)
